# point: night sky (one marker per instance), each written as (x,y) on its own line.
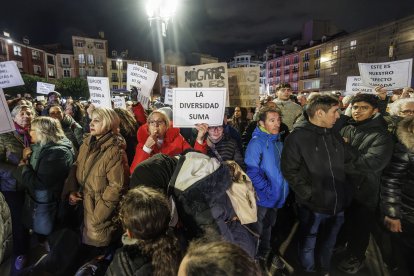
(216,27)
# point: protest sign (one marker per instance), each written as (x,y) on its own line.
(202,76)
(354,85)
(40,98)
(198,105)
(119,102)
(99,91)
(392,75)
(6,122)
(168,98)
(244,84)
(10,74)
(44,88)
(143,79)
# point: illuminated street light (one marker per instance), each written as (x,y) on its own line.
(161,11)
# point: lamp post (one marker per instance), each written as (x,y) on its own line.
(119,64)
(160,12)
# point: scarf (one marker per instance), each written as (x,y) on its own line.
(23,132)
(264,130)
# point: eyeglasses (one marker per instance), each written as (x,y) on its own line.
(156,123)
(216,128)
(407,112)
(361,107)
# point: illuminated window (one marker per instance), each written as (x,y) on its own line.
(17,50)
(82,58)
(335,49)
(353,44)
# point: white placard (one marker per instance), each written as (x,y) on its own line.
(6,122)
(143,79)
(99,91)
(10,74)
(119,102)
(392,75)
(354,85)
(40,98)
(198,105)
(44,87)
(168,98)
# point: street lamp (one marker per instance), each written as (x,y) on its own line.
(160,12)
(119,64)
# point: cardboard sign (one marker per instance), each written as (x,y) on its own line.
(203,76)
(6,122)
(10,74)
(354,85)
(40,98)
(143,79)
(198,105)
(392,75)
(168,98)
(99,91)
(44,88)
(244,86)
(119,102)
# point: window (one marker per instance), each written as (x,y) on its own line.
(51,72)
(124,77)
(317,53)
(81,58)
(19,64)
(37,69)
(114,76)
(353,44)
(90,59)
(306,66)
(287,61)
(50,60)
(82,71)
(114,53)
(172,69)
(172,80)
(99,60)
(65,61)
(145,65)
(66,73)
(335,49)
(99,45)
(35,55)
(79,43)
(100,72)
(91,72)
(296,59)
(124,65)
(115,86)
(317,64)
(317,73)
(17,50)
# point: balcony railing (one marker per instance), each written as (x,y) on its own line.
(65,65)
(311,76)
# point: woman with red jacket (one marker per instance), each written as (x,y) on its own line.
(158,136)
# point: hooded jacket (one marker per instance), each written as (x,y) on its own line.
(262,161)
(290,110)
(102,172)
(397,190)
(199,186)
(11,149)
(372,146)
(313,163)
(47,170)
(174,143)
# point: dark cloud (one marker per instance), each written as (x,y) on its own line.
(215,27)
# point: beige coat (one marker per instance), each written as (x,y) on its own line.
(103,174)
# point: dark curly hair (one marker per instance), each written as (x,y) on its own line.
(145,213)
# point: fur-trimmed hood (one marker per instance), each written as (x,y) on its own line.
(405,132)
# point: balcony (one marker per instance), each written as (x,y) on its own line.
(306,58)
(287,71)
(311,76)
(277,65)
(317,66)
(65,65)
(295,70)
(305,68)
(317,55)
(114,79)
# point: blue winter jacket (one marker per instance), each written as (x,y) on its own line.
(262,160)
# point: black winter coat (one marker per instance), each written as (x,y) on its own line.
(397,185)
(372,146)
(129,261)
(313,163)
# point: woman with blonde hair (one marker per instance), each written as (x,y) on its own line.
(157,136)
(98,179)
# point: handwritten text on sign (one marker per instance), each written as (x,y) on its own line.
(193,106)
(354,85)
(244,86)
(10,74)
(392,75)
(6,122)
(143,79)
(99,91)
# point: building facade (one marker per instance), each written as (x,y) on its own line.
(117,71)
(90,56)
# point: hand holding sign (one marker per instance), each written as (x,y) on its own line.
(202,130)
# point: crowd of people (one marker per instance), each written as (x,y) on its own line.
(123,192)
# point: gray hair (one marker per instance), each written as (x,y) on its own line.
(18,108)
(47,130)
(395,107)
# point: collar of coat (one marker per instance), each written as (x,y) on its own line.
(405,133)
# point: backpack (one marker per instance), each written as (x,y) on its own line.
(242,194)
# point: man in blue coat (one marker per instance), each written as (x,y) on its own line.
(262,160)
